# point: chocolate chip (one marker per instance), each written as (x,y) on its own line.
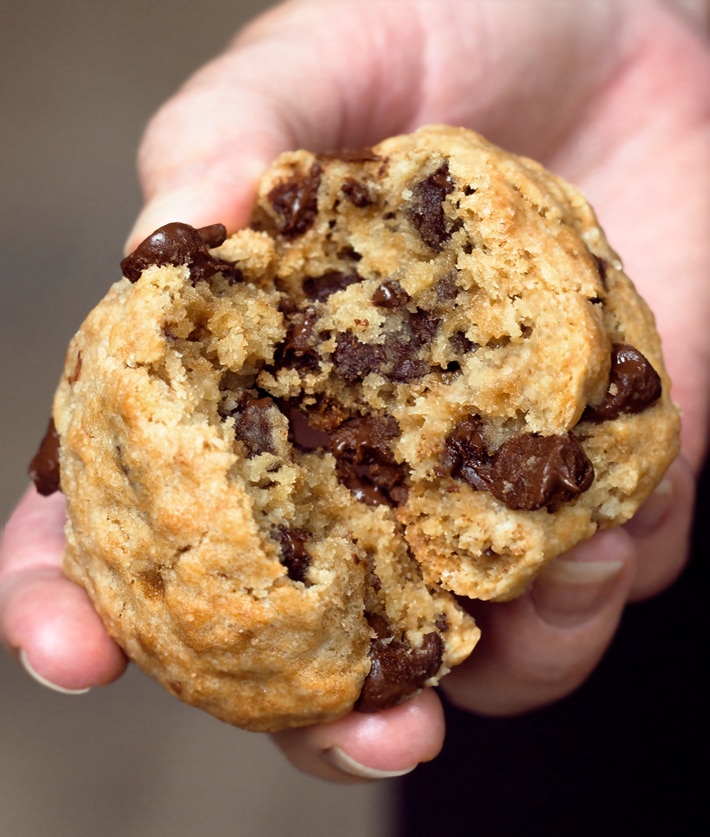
(402,367)
(319,288)
(252,424)
(44,468)
(179,244)
(526,472)
(442,623)
(534,471)
(461,344)
(426,211)
(356,192)
(397,670)
(424,326)
(364,460)
(299,351)
(390,294)
(293,554)
(304,435)
(395,359)
(467,454)
(295,202)
(355,360)
(446,288)
(634,385)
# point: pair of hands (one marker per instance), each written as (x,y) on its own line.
(610,94)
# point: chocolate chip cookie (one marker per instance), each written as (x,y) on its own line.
(419,374)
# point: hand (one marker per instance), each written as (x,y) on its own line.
(610,95)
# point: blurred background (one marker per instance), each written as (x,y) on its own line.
(78,81)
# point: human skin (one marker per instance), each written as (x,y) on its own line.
(613,95)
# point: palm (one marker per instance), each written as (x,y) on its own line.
(613,102)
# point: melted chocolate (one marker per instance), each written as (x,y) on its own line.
(252,425)
(634,385)
(293,554)
(355,360)
(446,287)
(390,294)
(298,351)
(304,435)
(527,472)
(396,358)
(364,460)
(179,244)
(397,670)
(319,288)
(426,212)
(356,192)
(295,202)
(44,468)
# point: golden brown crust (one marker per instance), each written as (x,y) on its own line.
(425,312)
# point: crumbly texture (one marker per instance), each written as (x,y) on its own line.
(421,373)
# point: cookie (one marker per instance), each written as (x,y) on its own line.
(420,374)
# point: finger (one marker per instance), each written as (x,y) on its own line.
(542,646)
(327,76)
(364,747)
(661,532)
(45,619)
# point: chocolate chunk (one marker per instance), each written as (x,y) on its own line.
(295,202)
(390,294)
(299,351)
(293,554)
(252,424)
(461,344)
(467,454)
(533,471)
(526,472)
(396,358)
(634,385)
(424,326)
(213,235)
(304,435)
(319,288)
(402,367)
(364,460)
(426,211)
(356,192)
(446,287)
(397,670)
(179,244)
(44,468)
(355,360)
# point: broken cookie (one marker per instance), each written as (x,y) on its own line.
(420,374)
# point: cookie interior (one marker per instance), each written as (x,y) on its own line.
(421,373)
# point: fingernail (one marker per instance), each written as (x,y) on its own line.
(339,759)
(651,514)
(43,680)
(571,589)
